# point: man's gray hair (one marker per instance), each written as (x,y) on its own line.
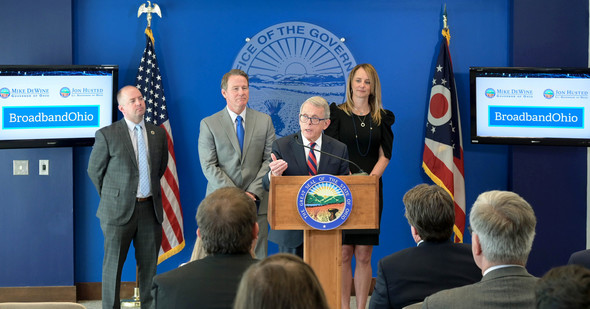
(505,224)
(318,101)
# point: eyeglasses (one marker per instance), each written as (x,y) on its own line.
(470,229)
(314,120)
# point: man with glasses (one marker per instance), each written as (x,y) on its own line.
(290,158)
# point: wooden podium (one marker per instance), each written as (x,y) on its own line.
(322,250)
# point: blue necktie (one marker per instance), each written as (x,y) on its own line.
(240,132)
(144,174)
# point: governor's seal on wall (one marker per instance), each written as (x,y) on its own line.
(324,202)
(290,62)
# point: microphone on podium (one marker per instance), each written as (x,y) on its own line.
(361,171)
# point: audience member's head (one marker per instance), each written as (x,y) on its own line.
(564,287)
(227,222)
(280,281)
(503,227)
(431,211)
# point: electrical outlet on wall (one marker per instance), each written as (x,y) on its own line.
(43,167)
(20,167)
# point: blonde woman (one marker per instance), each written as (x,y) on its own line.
(365,127)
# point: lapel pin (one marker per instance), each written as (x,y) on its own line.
(153,133)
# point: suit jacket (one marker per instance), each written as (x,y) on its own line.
(580,258)
(211,282)
(410,275)
(509,287)
(114,171)
(289,149)
(224,165)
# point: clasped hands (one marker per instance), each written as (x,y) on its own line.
(277,167)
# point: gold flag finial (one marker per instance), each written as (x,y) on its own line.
(149,9)
(445,31)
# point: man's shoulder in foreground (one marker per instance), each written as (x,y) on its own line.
(508,287)
(210,282)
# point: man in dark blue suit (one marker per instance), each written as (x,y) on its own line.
(410,275)
(291,158)
(228,229)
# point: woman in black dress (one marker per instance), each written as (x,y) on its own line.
(365,127)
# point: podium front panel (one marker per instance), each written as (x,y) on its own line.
(282,205)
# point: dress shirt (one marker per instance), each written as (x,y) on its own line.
(131,131)
(500,266)
(318,146)
(234,116)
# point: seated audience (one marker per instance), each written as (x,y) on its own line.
(564,287)
(227,226)
(502,233)
(436,263)
(580,258)
(280,281)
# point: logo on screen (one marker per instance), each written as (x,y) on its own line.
(548,94)
(290,62)
(64,92)
(324,202)
(4,93)
(490,93)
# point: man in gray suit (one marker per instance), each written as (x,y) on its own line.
(234,149)
(502,233)
(127,161)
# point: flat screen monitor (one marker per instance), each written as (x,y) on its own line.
(530,106)
(55,106)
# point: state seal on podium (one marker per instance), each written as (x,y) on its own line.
(324,202)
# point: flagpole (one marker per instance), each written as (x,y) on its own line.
(442,159)
(135,302)
(445,31)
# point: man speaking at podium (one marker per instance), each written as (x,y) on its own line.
(291,156)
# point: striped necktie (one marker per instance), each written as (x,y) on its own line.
(312,162)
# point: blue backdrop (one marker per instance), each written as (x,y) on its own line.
(196,42)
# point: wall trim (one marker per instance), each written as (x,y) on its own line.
(93,290)
(38,294)
(81,291)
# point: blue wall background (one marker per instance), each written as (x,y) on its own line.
(552,179)
(197,41)
(36,212)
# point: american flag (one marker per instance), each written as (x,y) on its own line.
(149,82)
(443,146)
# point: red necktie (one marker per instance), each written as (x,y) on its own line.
(312,162)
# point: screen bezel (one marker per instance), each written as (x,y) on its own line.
(475,72)
(68,141)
